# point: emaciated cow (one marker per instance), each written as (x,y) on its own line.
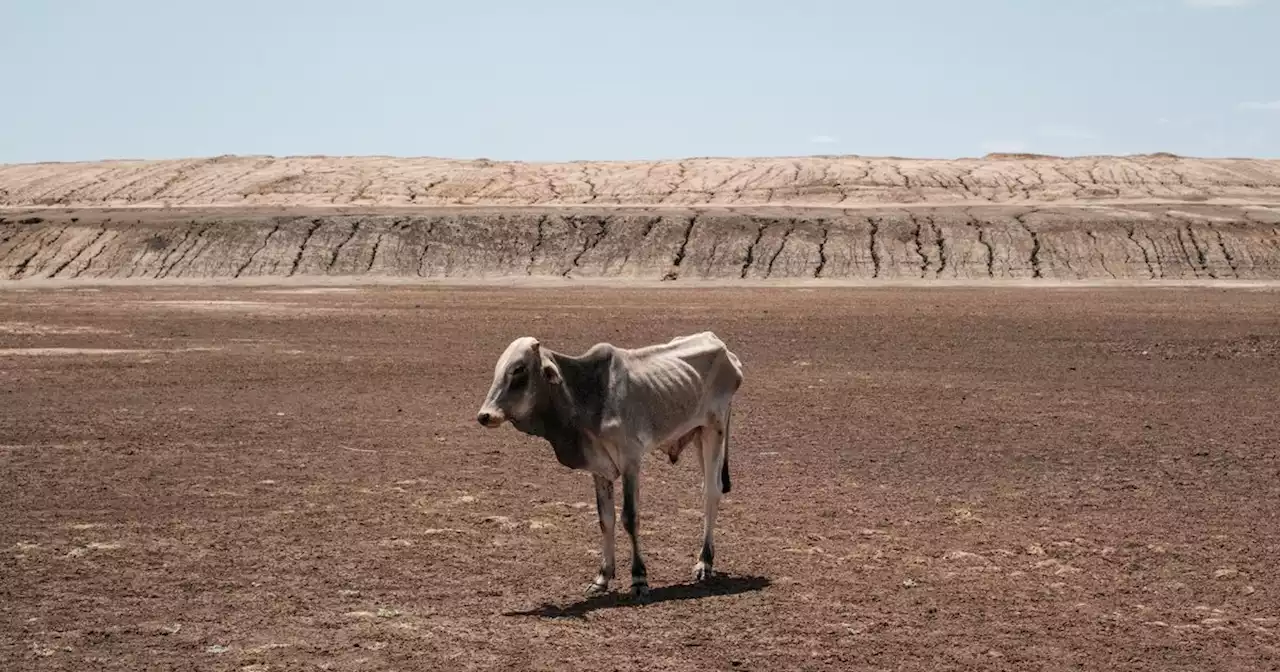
(603,410)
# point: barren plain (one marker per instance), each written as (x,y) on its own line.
(924,479)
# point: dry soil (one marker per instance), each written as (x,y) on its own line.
(924,479)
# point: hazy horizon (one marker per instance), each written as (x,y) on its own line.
(644,160)
(573,80)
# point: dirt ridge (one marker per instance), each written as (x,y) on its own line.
(1196,242)
(1002,217)
(815,181)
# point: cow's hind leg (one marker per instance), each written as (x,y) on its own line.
(712,450)
(605,511)
(631,521)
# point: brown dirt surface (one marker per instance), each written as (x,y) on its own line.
(924,479)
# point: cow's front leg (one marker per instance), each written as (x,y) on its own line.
(605,511)
(631,521)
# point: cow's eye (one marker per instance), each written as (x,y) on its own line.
(519,376)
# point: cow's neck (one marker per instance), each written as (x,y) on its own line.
(572,408)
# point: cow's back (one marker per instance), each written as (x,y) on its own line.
(719,368)
(663,390)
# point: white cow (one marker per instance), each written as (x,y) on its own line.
(603,410)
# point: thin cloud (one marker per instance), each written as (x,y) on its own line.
(1254,105)
(824,139)
(1174,122)
(1218,3)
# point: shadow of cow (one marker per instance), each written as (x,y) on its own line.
(721,585)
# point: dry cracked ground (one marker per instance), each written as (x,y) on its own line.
(837,219)
(261,479)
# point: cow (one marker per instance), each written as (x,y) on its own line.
(603,410)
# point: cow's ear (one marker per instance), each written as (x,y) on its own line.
(550,372)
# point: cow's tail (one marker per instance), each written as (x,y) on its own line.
(725,484)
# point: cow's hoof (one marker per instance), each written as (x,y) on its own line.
(596,588)
(702,573)
(640,592)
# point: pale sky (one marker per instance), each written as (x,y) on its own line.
(631,79)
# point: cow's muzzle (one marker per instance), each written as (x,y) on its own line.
(489,419)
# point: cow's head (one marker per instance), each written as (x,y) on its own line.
(520,384)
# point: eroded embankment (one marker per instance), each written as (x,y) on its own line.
(997,242)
